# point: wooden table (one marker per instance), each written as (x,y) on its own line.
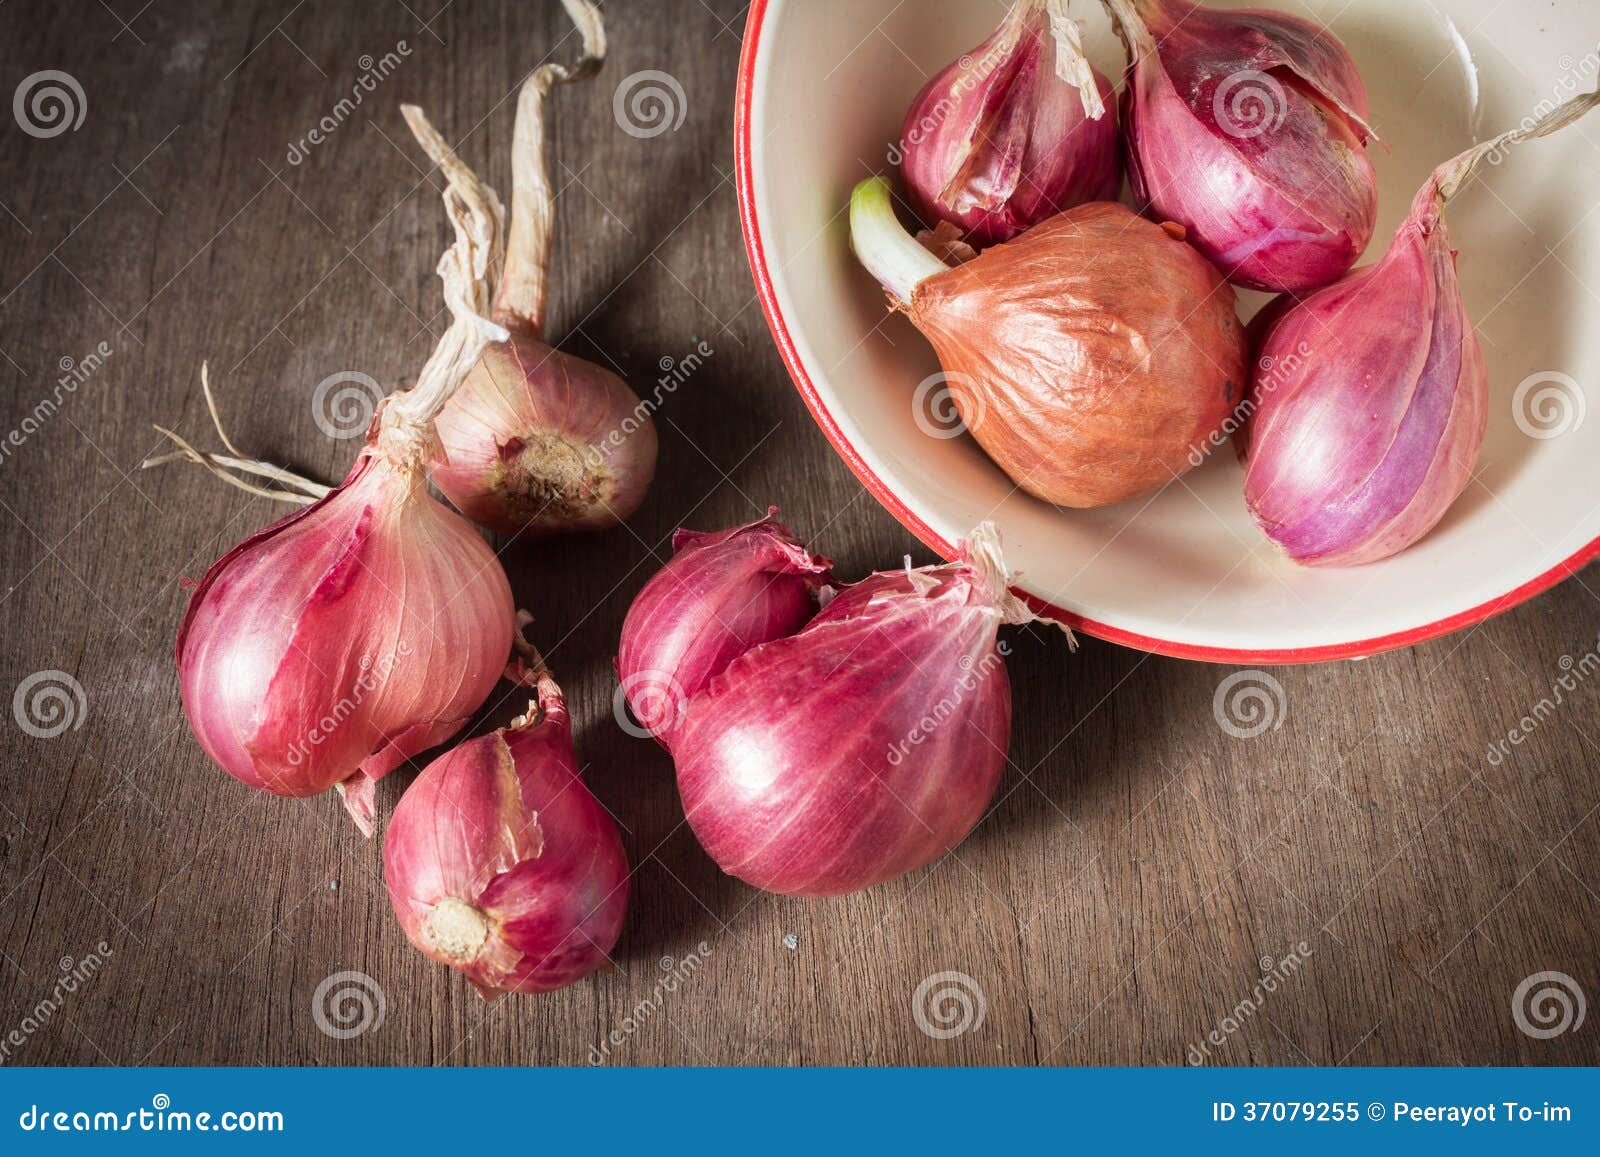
(1141,870)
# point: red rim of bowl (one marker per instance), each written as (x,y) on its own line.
(1358,649)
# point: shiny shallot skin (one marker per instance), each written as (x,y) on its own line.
(1248,128)
(1370,400)
(720,594)
(1003,137)
(1089,355)
(864,746)
(329,647)
(501,864)
(1372,405)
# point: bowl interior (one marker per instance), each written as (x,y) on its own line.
(1184,570)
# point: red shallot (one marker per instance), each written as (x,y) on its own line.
(338,642)
(1370,403)
(1087,356)
(536,440)
(1014,131)
(865,745)
(501,864)
(1248,128)
(721,594)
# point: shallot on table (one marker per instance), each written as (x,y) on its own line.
(538,441)
(720,594)
(326,649)
(865,745)
(501,864)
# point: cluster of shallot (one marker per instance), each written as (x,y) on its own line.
(371,625)
(1091,349)
(825,739)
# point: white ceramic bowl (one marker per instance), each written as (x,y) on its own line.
(823,85)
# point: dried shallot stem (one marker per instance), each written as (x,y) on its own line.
(981,550)
(303,491)
(405,429)
(524,287)
(1072,65)
(1450,177)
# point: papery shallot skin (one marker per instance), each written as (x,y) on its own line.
(537,441)
(501,864)
(860,748)
(1248,128)
(1369,405)
(720,594)
(998,141)
(340,641)
(1088,356)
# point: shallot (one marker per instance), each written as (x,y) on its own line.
(336,643)
(537,440)
(865,745)
(1087,356)
(500,863)
(720,594)
(1248,128)
(1370,403)
(1012,132)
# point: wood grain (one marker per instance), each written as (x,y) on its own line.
(1116,906)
